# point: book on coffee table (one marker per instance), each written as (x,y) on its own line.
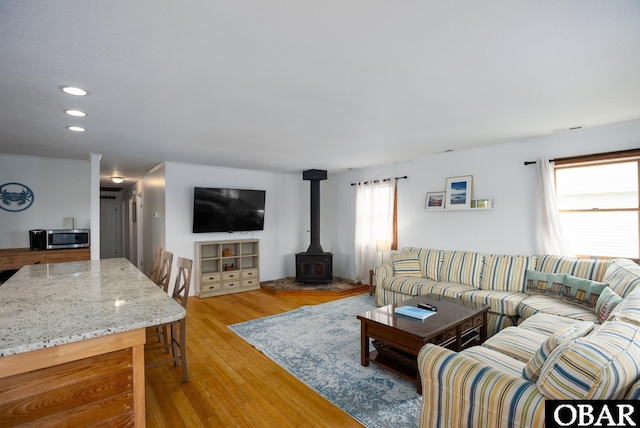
(414,312)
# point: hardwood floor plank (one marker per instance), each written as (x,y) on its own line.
(231,383)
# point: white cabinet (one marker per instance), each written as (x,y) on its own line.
(226,267)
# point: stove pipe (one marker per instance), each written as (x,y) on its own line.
(315,176)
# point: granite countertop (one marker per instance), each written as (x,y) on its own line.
(53,304)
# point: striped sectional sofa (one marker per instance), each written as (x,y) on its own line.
(544,346)
(495,280)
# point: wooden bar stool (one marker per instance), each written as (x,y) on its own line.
(179,328)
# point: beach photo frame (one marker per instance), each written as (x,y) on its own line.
(458,192)
(434,201)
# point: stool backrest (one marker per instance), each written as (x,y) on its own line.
(155,267)
(183,281)
(164,274)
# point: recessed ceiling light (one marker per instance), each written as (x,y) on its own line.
(76,128)
(117,180)
(76,113)
(72,90)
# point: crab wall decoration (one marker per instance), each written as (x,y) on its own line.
(15,197)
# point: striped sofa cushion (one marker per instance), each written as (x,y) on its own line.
(461,267)
(533,367)
(498,322)
(629,309)
(545,304)
(517,343)
(495,359)
(623,276)
(601,366)
(501,302)
(449,289)
(429,260)
(408,285)
(547,324)
(506,273)
(386,297)
(593,269)
(406,264)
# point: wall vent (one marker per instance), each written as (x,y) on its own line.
(573,128)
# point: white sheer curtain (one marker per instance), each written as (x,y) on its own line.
(549,235)
(374,221)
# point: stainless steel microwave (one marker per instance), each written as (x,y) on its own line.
(68,238)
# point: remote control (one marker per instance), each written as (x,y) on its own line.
(427,306)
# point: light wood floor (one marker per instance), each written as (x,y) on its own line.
(231,383)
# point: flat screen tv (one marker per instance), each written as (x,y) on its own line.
(227,210)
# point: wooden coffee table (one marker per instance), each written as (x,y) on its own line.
(457,325)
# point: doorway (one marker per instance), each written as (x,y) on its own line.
(110,228)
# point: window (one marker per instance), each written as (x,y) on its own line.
(599,207)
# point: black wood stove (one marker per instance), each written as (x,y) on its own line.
(314,266)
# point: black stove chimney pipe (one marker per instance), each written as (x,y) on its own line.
(315,176)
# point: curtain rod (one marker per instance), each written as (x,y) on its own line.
(578,157)
(377,181)
(534,162)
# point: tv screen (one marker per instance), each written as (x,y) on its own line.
(227,210)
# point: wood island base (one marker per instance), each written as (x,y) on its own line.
(97,381)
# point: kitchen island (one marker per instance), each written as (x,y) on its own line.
(72,342)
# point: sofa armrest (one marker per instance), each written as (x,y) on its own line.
(458,391)
(383,271)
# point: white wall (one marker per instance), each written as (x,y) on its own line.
(150,214)
(286,213)
(498,172)
(62,188)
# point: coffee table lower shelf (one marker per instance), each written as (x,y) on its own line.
(394,366)
(406,365)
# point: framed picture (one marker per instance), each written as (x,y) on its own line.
(458,193)
(435,201)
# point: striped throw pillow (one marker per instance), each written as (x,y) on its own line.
(406,264)
(532,370)
(429,259)
(601,366)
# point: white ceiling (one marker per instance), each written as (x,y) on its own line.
(289,85)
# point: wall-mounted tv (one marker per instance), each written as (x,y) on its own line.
(227,210)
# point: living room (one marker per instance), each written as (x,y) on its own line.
(500,175)
(417,141)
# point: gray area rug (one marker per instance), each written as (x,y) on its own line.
(320,345)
